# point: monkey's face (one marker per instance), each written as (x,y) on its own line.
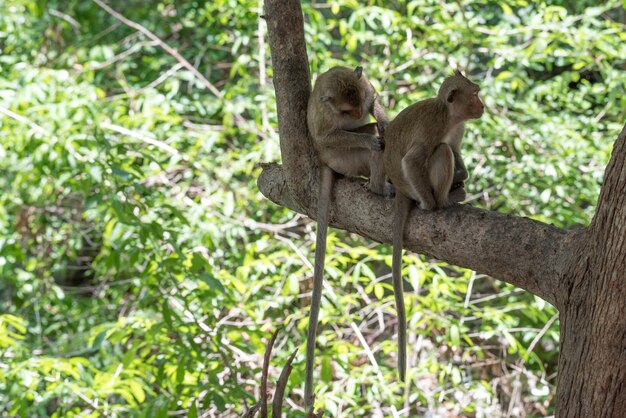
(466,103)
(350,102)
(475,105)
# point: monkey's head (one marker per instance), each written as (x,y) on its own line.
(461,97)
(345,93)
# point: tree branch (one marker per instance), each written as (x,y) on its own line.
(529,254)
(526,253)
(293,86)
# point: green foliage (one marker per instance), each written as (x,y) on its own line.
(141,271)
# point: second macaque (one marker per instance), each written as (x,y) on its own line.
(422,159)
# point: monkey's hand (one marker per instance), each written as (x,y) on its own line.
(389,191)
(377,144)
(460,175)
(457,194)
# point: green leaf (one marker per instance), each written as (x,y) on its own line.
(212,282)
(455,338)
(97,342)
(167,314)
(129,356)
(180,372)
(379,291)
(193,413)
(137,390)
(327,370)
(219,401)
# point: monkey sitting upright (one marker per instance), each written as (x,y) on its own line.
(338,119)
(423,161)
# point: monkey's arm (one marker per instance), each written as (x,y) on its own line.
(347,139)
(369,128)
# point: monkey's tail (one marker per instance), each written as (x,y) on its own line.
(323,203)
(401,212)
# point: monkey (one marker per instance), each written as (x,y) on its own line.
(342,100)
(337,117)
(422,159)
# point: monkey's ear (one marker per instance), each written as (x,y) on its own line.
(358,71)
(451,95)
(458,73)
(324,99)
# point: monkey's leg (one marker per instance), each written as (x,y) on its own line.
(326,185)
(402,206)
(378,184)
(441,173)
(415,170)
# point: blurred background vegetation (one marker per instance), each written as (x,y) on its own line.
(142,272)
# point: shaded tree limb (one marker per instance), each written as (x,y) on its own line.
(529,254)
(292,84)
(279,393)
(526,253)
(266,366)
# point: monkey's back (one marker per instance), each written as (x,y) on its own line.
(421,124)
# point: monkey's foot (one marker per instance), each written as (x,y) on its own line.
(389,191)
(386,189)
(457,193)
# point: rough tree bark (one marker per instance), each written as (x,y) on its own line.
(580,271)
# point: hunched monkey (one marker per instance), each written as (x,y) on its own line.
(338,119)
(423,161)
(338,116)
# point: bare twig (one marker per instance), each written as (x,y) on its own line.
(69,19)
(123,55)
(162,77)
(121,130)
(370,355)
(538,337)
(266,365)
(279,394)
(173,52)
(26,121)
(250,413)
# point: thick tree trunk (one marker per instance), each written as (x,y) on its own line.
(592,362)
(582,272)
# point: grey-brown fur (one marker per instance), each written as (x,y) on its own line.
(338,115)
(422,159)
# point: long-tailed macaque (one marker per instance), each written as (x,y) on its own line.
(338,118)
(423,161)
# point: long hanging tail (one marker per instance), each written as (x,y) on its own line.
(326,184)
(401,212)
